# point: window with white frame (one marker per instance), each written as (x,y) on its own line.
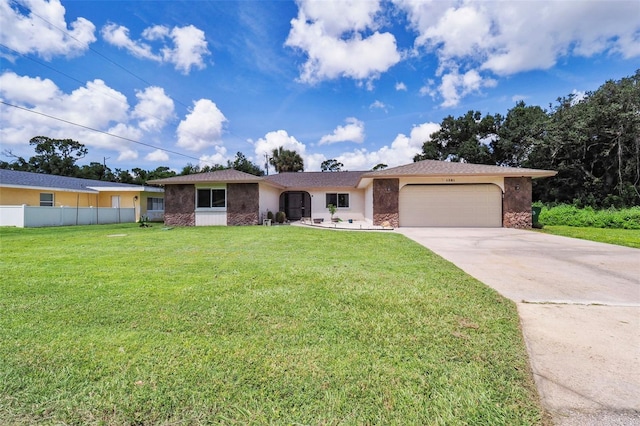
(340,200)
(46,199)
(154,203)
(211,198)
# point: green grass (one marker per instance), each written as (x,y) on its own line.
(621,237)
(251,325)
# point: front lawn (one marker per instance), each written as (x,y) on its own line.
(621,237)
(251,325)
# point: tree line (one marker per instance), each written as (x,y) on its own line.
(593,142)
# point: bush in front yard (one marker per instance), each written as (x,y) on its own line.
(588,217)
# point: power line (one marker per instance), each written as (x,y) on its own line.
(105,93)
(106,58)
(99,131)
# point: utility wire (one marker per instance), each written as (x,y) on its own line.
(106,58)
(99,131)
(82,83)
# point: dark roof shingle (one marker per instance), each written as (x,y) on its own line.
(41,180)
(444,168)
(316,179)
(226,175)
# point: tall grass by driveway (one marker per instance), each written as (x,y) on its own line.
(567,215)
(251,325)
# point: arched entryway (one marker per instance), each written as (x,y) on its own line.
(295,204)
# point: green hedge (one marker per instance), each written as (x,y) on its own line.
(588,217)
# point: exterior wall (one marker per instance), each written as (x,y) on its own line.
(319,208)
(126,198)
(496,180)
(268,200)
(31,197)
(179,205)
(243,204)
(385,202)
(368,204)
(516,203)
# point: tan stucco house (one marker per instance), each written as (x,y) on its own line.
(425,193)
(37,199)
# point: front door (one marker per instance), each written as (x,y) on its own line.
(295,204)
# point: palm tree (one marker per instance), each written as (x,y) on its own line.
(285,160)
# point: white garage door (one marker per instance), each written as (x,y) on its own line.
(451,205)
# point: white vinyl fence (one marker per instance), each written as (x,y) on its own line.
(34,217)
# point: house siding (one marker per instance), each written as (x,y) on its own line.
(179,205)
(243,204)
(516,203)
(386,202)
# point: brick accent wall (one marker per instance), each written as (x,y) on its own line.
(516,203)
(179,205)
(243,204)
(386,202)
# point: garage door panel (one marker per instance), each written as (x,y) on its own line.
(451,205)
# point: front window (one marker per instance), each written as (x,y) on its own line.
(337,199)
(155,203)
(46,199)
(211,198)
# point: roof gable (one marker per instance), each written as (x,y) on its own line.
(316,179)
(222,176)
(447,168)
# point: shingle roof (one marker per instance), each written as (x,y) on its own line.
(16,178)
(227,175)
(316,179)
(445,168)
(302,180)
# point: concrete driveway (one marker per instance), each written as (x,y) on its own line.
(579,305)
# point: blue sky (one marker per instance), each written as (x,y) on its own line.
(168,83)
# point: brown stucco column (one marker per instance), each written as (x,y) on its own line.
(516,203)
(385,202)
(180,205)
(243,204)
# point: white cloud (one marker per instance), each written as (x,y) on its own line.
(276,139)
(154,109)
(219,157)
(28,33)
(118,36)
(94,105)
(158,156)
(187,49)
(402,150)
(202,127)
(280,138)
(353,131)
(378,105)
(190,48)
(455,86)
(401,86)
(506,38)
(333,34)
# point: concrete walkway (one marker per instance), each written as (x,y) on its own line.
(579,305)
